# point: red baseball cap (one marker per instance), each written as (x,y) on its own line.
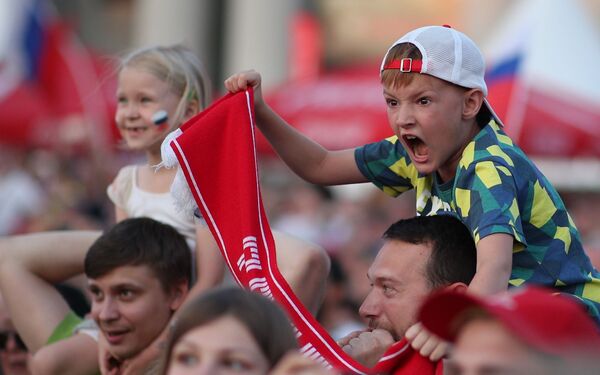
(551,322)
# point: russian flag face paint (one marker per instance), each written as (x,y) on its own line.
(160,117)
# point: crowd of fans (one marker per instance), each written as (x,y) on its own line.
(382,262)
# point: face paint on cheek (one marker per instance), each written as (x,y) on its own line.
(160,117)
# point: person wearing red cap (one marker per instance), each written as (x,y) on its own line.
(529,330)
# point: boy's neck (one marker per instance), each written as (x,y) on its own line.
(447,172)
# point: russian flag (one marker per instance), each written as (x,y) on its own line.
(53,90)
(543,78)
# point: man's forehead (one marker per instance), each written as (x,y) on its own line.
(125,275)
(403,253)
(396,258)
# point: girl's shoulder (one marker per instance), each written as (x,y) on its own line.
(126,172)
(120,189)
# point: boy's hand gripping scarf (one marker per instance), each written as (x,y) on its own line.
(216,153)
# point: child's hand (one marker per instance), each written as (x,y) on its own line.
(426,343)
(241,81)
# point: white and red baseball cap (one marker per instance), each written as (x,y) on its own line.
(548,321)
(447,54)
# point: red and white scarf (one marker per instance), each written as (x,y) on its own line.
(216,153)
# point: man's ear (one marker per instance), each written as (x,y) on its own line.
(457,287)
(473,100)
(178,295)
(192,108)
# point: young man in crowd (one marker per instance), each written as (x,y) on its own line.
(138,272)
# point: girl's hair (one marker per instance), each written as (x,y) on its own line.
(265,320)
(179,67)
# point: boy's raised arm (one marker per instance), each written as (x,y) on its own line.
(304,156)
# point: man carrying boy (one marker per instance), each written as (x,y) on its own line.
(419,255)
(450,147)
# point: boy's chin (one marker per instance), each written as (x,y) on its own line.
(425,169)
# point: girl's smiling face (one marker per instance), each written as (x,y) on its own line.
(222,346)
(140,95)
(432,120)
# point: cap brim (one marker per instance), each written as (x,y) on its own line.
(441,315)
(440,311)
(492,112)
(445,312)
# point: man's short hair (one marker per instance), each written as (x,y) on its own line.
(453,253)
(141,242)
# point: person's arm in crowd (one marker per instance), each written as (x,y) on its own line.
(210,266)
(305,267)
(77,355)
(30,265)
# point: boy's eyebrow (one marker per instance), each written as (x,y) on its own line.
(412,95)
(386,92)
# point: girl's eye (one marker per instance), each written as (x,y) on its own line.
(186,359)
(236,364)
(424,101)
(145,99)
(121,100)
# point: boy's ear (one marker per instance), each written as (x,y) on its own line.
(473,100)
(192,108)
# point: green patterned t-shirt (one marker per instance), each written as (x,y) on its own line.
(496,189)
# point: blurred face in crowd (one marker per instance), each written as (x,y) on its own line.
(398,286)
(14,356)
(484,346)
(131,308)
(140,95)
(222,346)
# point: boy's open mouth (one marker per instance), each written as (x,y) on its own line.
(417,147)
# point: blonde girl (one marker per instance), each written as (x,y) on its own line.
(169,81)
